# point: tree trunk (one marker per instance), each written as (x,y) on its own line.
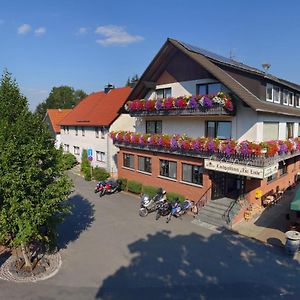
(28,265)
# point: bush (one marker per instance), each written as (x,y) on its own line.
(171,196)
(100,174)
(123,183)
(86,166)
(134,187)
(87,176)
(151,191)
(69,161)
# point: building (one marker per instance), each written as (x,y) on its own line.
(201,124)
(52,119)
(88,126)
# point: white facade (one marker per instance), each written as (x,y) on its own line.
(247,124)
(104,152)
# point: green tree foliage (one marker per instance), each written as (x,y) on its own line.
(60,97)
(33,186)
(132,81)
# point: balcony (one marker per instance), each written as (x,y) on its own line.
(217,104)
(262,155)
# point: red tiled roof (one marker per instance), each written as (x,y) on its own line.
(55,116)
(98,109)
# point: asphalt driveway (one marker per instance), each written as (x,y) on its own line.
(109,252)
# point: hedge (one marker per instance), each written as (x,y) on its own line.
(172,196)
(69,161)
(123,183)
(100,174)
(134,187)
(151,191)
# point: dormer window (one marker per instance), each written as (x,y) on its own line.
(163,93)
(209,88)
(285,99)
(297,100)
(272,93)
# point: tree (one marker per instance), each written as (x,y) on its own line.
(33,186)
(132,81)
(60,97)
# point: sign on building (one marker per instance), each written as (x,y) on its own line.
(238,169)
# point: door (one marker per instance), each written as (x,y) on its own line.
(218,185)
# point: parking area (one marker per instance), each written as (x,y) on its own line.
(109,252)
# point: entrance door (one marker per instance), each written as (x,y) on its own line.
(218,185)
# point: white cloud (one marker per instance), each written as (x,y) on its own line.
(116,35)
(82,30)
(40,31)
(24,28)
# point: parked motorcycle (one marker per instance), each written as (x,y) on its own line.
(99,186)
(163,210)
(178,209)
(109,187)
(149,205)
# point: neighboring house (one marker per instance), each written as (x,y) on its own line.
(262,108)
(88,126)
(52,119)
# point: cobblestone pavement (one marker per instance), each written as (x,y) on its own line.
(109,252)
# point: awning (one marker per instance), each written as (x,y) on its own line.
(295,204)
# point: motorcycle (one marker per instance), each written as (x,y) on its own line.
(149,205)
(109,187)
(178,209)
(99,186)
(163,210)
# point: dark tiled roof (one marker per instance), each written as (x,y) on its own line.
(235,64)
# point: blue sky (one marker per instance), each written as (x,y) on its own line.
(86,44)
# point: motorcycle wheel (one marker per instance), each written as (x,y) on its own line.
(143,212)
(101,194)
(157,216)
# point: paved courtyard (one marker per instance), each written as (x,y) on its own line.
(109,252)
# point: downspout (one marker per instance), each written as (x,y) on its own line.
(108,164)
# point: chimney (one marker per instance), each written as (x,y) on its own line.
(108,87)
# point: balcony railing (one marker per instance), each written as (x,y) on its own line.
(216,104)
(245,153)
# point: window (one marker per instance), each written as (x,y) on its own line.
(83,131)
(209,88)
(102,133)
(100,156)
(218,129)
(272,177)
(276,94)
(163,93)
(270,131)
(282,168)
(285,97)
(289,130)
(153,126)
(97,132)
(291,98)
(269,94)
(76,130)
(76,150)
(192,174)
(144,164)
(272,93)
(66,148)
(297,100)
(168,169)
(128,160)
(67,129)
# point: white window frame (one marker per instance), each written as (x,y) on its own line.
(67,148)
(102,132)
(297,95)
(76,150)
(100,156)
(292,95)
(279,94)
(271,87)
(285,100)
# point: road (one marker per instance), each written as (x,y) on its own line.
(109,252)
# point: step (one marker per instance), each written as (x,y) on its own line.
(213,209)
(212,203)
(211,214)
(212,221)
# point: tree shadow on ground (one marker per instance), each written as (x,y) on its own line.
(4,256)
(80,219)
(223,266)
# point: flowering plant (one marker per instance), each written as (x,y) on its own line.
(225,147)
